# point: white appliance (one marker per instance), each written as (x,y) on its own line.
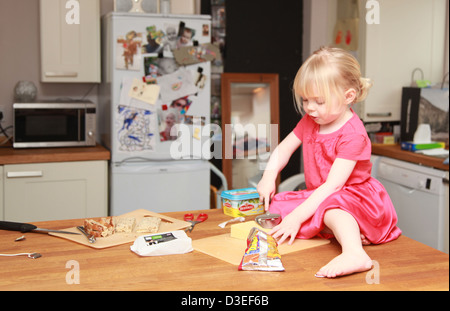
(420,198)
(148,175)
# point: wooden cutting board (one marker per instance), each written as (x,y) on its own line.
(231,250)
(167,224)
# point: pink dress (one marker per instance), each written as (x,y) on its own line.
(362,196)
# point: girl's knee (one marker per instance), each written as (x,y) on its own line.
(336,214)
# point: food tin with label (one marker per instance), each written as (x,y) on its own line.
(241,202)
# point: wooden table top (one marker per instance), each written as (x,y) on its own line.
(9,155)
(403,264)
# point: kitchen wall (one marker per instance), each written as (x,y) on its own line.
(20,48)
(319,17)
(20,56)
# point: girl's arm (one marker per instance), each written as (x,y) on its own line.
(337,177)
(278,160)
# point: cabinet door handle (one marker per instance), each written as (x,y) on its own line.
(69,74)
(24,174)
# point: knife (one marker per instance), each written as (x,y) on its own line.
(91,238)
(23,227)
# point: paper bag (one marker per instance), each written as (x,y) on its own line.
(345,35)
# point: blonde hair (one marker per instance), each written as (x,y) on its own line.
(329,71)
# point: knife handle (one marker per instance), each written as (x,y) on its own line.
(16,226)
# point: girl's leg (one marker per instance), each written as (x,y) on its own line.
(353,257)
(364,240)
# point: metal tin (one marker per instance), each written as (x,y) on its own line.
(241,202)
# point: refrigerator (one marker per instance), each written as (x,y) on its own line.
(147,91)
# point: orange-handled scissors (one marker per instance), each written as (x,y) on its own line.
(190,218)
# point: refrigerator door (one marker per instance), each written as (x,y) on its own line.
(132,131)
(160,186)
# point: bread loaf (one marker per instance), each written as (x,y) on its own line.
(149,224)
(125,224)
(102,227)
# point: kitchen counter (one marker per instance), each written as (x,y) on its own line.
(403,264)
(395,151)
(9,155)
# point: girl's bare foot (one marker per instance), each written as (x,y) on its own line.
(346,263)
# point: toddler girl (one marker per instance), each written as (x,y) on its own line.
(341,199)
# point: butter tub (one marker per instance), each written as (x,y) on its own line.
(241,202)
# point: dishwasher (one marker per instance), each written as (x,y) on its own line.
(420,198)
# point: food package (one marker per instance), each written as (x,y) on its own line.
(241,202)
(242,230)
(261,253)
(166,243)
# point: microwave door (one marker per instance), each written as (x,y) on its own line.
(48,127)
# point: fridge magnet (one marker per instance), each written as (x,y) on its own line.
(128,51)
(176,85)
(169,42)
(185,35)
(135,129)
(200,78)
(167,119)
(154,39)
(196,134)
(144,92)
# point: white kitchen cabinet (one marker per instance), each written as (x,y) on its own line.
(52,191)
(410,35)
(70,47)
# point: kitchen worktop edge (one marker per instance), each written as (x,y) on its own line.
(395,152)
(9,155)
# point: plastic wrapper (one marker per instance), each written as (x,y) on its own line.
(166,243)
(261,253)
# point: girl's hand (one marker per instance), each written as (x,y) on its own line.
(278,159)
(289,227)
(266,191)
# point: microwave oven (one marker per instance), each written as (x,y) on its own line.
(54,124)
